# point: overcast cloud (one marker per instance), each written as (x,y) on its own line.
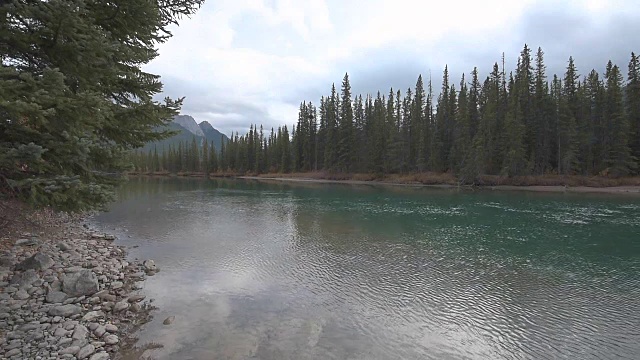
(239,62)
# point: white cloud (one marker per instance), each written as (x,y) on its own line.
(261,54)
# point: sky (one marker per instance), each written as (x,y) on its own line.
(242,62)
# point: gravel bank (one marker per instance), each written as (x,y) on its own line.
(68,294)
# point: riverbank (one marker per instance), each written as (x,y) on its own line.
(66,291)
(542,183)
(598,188)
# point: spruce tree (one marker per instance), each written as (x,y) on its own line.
(617,151)
(633,104)
(66,146)
(345,138)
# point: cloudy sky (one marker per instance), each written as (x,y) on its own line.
(239,62)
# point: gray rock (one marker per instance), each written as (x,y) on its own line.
(100,356)
(149,266)
(65,310)
(80,333)
(21,295)
(116,285)
(83,282)
(120,306)
(93,315)
(99,331)
(111,339)
(24,279)
(56,297)
(26,242)
(168,320)
(60,332)
(111,328)
(6,261)
(64,341)
(70,350)
(136,298)
(86,351)
(13,352)
(39,261)
(64,246)
(14,344)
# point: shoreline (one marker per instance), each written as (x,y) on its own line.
(631,189)
(548,183)
(66,290)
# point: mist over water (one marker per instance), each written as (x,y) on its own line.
(254,270)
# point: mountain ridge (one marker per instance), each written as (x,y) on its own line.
(187,129)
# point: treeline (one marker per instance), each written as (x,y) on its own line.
(509,124)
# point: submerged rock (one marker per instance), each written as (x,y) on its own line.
(168,320)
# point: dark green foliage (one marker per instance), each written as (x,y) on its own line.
(73,97)
(510,125)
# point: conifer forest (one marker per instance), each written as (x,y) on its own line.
(511,123)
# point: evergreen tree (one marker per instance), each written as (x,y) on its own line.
(514,162)
(417,151)
(345,129)
(205,159)
(75,99)
(617,151)
(633,104)
(568,107)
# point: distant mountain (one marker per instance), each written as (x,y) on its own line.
(188,129)
(188,123)
(212,134)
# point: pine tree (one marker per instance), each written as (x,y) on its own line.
(461,133)
(213,159)
(285,164)
(617,151)
(633,104)
(417,151)
(205,159)
(514,162)
(345,129)
(66,147)
(566,128)
(360,140)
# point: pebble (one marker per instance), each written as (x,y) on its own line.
(111,339)
(93,315)
(99,331)
(86,351)
(70,350)
(136,298)
(13,352)
(119,306)
(100,356)
(21,295)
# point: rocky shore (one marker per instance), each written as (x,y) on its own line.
(69,294)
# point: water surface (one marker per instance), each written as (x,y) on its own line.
(256,270)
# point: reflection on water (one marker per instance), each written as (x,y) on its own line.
(314,271)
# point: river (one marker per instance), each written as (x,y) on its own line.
(257,270)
